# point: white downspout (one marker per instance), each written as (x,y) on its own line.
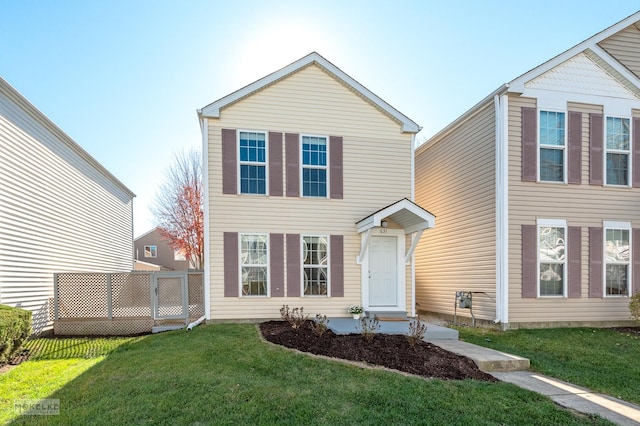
(204,123)
(502,211)
(413,198)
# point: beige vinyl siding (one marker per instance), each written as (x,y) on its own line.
(623,46)
(455,181)
(580,205)
(377,172)
(58,211)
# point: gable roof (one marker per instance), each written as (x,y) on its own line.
(589,46)
(404,212)
(213,109)
(14,96)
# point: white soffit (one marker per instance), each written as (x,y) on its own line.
(404,212)
(580,75)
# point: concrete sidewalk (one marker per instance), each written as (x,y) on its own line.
(575,397)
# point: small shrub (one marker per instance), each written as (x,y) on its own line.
(295,317)
(368,327)
(15,327)
(319,325)
(634,306)
(417,330)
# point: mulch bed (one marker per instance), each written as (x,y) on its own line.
(387,350)
(634,331)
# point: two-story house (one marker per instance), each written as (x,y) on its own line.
(153,252)
(309,197)
(536,190)
(60,210)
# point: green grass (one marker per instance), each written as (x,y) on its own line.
(224,374)
(602,360)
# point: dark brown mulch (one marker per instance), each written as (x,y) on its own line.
(634,331)
(387,350)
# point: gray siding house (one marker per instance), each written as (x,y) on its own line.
(60,210)
(152,249)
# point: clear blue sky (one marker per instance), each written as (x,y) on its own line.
(124,78)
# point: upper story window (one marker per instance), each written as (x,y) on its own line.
(254,265)
(253,163)
(151,251)
(616,258)
(179,256)
(314,166)
(551,257)
(552,142)
(315,265)
(617,149)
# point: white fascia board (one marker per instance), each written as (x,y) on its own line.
(427,219)
(213,110)
(617,66)
(461,119)
(517,85)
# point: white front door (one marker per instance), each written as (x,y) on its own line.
(383,271)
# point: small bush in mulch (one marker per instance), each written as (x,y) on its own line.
(387,350)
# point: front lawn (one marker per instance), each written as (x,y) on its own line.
(224,374)
(602,360)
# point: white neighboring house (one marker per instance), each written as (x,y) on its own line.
(60,210)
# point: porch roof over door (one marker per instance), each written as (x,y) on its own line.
(404,212)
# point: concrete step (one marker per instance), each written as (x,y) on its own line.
(380,314)
(350,326)
(487,360)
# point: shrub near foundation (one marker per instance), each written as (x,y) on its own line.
(15,327)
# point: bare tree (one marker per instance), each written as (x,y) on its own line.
(178,207)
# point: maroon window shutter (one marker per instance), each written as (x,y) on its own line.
(635,252)
(336,271)
(635,146)
(575,147)
(335,167)
(276,264)
(529,261)
(293,265)
(229,162)
(574,255)
(275,164)
(292,148)
(231,274)
(529,144)
(596,152)
(595,262)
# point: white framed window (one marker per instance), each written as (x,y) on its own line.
(315,265)
(617,151)
(617,255)
(552,142)
(314,174)
(254,264)
(151,251)
(552,265)
(252,148)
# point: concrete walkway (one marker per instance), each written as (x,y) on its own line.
(512,369)
(575,397)
(350,326)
